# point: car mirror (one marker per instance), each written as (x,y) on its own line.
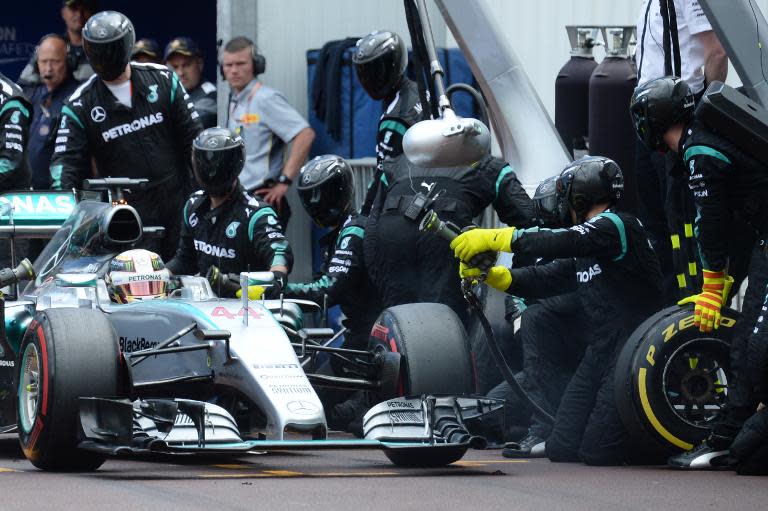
(77,280)
(258,278)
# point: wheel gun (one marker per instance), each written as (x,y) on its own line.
(23,271)
(448,231)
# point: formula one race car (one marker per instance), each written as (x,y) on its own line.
(83,378)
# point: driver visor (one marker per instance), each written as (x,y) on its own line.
(138,285)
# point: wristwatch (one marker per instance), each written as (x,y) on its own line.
(284,180)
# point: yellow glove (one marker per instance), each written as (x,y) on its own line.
(707,304)
(499,277)
(472,242)
(254,292)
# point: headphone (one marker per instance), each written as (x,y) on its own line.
(258,60)
(71,60)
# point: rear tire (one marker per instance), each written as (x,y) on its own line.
(671,381)
(66,354)
(433,344)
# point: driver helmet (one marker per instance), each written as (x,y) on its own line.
(380,60)
(108,39)
(218,157)
(326,189)
(137,275)
(585,182)
(658,105)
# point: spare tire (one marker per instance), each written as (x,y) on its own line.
(66,354)
(432,342)
(672,381)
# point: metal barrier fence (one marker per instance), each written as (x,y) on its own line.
(364,169)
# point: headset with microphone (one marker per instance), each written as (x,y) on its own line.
(259,62)
(71,60)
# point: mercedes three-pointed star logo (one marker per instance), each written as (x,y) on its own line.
(98,114)
(301,407)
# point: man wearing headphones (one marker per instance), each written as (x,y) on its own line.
(54,66)
(74,14)
(267,123)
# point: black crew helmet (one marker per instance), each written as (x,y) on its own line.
(218,156)
(108,39)
(380,60)
(658,105)
(326,189)
(585,182)
(546,203)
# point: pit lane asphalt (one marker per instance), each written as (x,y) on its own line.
(366,481)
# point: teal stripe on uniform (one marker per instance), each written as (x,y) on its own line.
(323,282)
(174,86)
(71,114)
(354,231)
(280,248)
(533,230)
(613,217)
(389,124)
(184,214)
(384,180)
(56,176)
(255,218)
(706,151)
(15,104)
(506,170)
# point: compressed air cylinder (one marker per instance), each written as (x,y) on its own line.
(611,132)
(572,89)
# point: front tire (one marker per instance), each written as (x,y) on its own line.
(435,359)
(66,354)
(433,344)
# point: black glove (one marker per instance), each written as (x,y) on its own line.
(277,286)
(223,284)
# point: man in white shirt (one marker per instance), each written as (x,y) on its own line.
(702,57)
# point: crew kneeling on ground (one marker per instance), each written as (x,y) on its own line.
(606,258)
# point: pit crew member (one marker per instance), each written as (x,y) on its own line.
(128,120)
(15,118)
(326,190)
(728,185)
(380,61)
(15,174)
(225,230)
(409,266)
(607,260)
